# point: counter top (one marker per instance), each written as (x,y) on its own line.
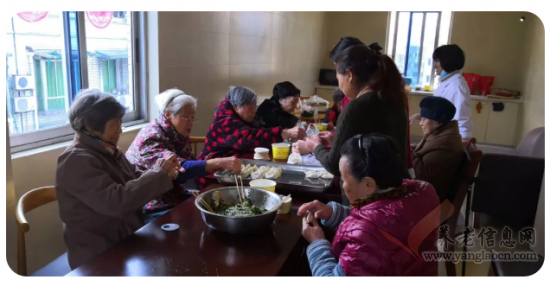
(474,97)
(429,93)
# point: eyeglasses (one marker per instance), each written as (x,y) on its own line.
(188,120)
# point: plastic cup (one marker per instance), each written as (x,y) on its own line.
(265,184)
(280,150)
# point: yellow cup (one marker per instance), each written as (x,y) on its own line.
(267,185)
(285,208)
(322,126)
(280,150)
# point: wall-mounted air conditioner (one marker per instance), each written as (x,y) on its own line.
(24,104)
(23,82)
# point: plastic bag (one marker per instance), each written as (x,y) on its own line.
(294,159)
(316,100)
(312,130)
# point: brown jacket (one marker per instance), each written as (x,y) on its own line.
(100,197)
(437,157)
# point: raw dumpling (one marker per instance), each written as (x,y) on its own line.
(256,175)
(312,175)
(264,169)
(326,175)
(274,173)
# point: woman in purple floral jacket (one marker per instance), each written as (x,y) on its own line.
(168,135)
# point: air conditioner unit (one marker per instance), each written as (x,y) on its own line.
(23,82)
(25,104)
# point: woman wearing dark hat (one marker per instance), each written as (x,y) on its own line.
(277,111)
(437,157)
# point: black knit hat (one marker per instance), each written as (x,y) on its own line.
(437,108)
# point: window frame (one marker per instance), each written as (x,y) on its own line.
(392,37)
(40,138)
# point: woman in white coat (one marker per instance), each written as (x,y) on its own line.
(448,61)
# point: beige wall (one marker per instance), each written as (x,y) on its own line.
(493,43)
(368,27)
(203,53)
(532,77)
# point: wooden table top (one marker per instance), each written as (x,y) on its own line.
(196,250)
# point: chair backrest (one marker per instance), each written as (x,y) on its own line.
(194,141)
(465,177)
(533,144)
(507,189)
(29,201)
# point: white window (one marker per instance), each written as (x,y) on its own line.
(412,39)
(51,56)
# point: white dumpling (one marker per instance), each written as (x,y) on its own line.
(312,175)
(327,175)
(256,175)
(271,175)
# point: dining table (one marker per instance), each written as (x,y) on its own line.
(196,250)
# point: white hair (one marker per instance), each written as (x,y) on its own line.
(173,100)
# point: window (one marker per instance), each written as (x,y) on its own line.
(413,36)
(52,55)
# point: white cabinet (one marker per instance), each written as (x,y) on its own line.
(480,117)
(491,125)
(501,126)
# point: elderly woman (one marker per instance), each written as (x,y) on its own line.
(385,209)
(169,135)
(234,131)
(277,111)
(378,104)
(437,157)
(100,193)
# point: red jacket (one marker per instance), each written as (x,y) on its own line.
(362,249)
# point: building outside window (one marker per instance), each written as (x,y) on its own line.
(413,36)
(52,55)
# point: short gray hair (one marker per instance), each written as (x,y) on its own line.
(240,95)
(173,100)
(93,108)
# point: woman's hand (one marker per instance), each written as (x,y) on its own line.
(170,165)
(311,231)
(294,133)
(227,163)
(414,118)
(231,163)
(313,142)
(327,138)
(300,147)
(330,126)
(317,208)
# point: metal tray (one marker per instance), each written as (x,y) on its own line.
(293,176)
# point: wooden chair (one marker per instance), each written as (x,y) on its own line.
(466,176)
(194,141)
(28,202)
